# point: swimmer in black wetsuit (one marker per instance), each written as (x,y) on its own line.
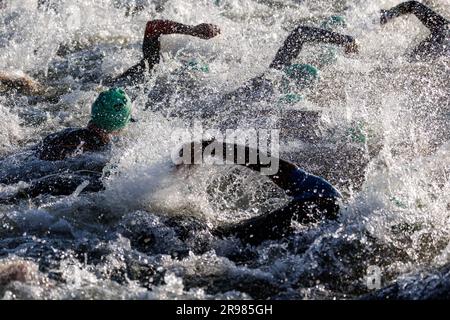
(313,198)
(110,114)
(437,43)
(151,46)
(20,83)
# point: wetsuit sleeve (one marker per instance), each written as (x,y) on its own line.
(301,35)
(58,185)
(151,46)
(427,16)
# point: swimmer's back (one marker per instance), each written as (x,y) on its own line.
(67,143)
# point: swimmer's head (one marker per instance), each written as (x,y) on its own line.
(302,75)
(197,66)
(290,98)
(333,22)
(111,110)
(329,54)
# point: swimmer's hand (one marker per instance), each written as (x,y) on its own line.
(352,47)
(205,31)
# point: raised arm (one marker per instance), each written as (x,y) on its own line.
(427,16)
(289,177)
(301,35)
(156,28)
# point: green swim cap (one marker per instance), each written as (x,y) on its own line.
(111,110)
(302,74)
(197,66)
(333,22)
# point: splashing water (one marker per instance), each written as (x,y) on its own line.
(381,136)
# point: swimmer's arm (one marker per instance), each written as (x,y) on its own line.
(427,16)
(301,35)
(59,151)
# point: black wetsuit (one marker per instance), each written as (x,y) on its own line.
(313,198)
(60,184)
(68,143)
(437,43)
(260,87)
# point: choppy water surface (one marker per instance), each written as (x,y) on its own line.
(147,236)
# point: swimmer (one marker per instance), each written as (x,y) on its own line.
(313,198)
(110,115)
(437,43)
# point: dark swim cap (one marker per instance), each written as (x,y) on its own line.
(111,111)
